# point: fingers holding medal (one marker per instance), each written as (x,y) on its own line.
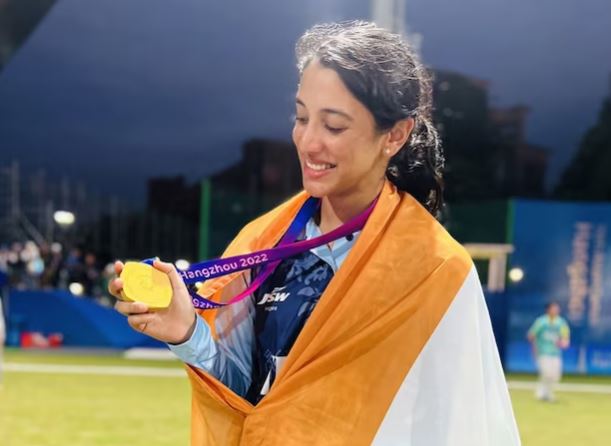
(154,299)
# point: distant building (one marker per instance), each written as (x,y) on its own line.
(267,174)
(269,170)
(173,196)
(487,155)
(461,108)
(522,166)
(461,114)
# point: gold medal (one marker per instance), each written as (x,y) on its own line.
(143,283)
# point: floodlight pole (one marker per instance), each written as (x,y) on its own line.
(389,14)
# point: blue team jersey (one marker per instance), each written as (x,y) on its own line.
(283,304)
(278,310)
(548,333)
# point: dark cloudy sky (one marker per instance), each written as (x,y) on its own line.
(114,92)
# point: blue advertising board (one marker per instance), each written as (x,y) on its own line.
(564,251)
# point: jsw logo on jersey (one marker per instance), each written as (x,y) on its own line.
(275,296)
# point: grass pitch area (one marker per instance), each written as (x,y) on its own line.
(576,418)
(89,408)
(66,399)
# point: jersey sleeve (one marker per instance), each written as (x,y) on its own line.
(535,328)
(565,331)
(201,351)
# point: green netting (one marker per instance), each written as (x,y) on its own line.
(229,211)
(481,222)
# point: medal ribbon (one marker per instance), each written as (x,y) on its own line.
(268,258)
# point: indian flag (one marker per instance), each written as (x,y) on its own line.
(398,351)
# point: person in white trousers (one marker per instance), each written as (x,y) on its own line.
(2,339)
(549,335)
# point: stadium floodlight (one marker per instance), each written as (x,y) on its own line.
(64,218)
(76,288)
(516,274)
(182,264)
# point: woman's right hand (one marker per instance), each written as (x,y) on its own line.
(172,325)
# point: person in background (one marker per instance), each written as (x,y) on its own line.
(74,266)
(549,335)
(16,266)
(52,258)
(3,283)
(91,276)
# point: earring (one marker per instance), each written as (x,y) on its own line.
(387,151)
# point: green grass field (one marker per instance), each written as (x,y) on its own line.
(44,409)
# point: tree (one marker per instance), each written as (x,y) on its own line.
(588,177)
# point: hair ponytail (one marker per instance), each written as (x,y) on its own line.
(417,167)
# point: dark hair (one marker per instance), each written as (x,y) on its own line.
(550,304)
(382,72)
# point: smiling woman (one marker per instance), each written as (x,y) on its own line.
(380,335)
(370,103)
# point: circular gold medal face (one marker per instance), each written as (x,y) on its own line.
(143,283)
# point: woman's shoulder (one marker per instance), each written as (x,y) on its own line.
(425,234)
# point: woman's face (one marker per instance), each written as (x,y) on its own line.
(339,149)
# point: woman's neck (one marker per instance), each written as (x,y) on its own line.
(338,209)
